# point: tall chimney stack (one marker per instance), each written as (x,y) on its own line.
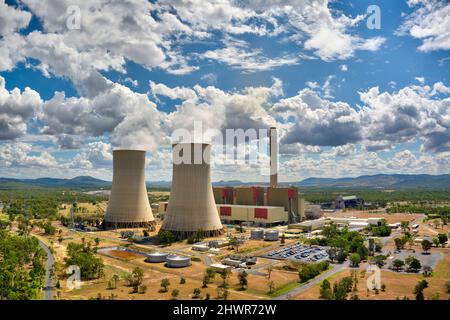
(273,141)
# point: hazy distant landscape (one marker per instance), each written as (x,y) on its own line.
(379,181)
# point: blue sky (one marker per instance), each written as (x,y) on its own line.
(135,71)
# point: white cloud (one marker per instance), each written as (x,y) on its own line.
(430,22)
(12,19)
(18,155)
(16,108)
(343,67)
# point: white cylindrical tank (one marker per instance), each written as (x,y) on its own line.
(156,257)
(271,235)
(313,212)
(257,234)
(191,204)
(128,205)
(175,261)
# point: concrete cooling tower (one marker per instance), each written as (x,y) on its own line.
(128,205)
(191,203)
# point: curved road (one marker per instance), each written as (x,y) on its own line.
(48,288)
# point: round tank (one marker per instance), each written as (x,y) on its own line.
(128,205)
(313,212)
(175,261)
(155,257)
(271,235)
(257,234)
(191,204)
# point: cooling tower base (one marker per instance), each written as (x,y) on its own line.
(180,235)
(123,225)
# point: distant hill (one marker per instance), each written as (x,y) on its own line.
(381,181)
(394,181)
(77,182)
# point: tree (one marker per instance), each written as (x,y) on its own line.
(60,240)
(196,293)
(398,244)
(362,251)
(418,289)
(404,225)
(243,281)
(397,264)
(341,256)
(165,283)
(136,278)
(413,263)
(436,242)
(166,237)
(325,290)
(311,270)
(224,275)
(426,245)
(175,293)
(282,239)
(182,280)
(210,274)
(97,241)
(271,286)
(380,260)
(427,271)
(84,256)
(269,271)
(142,289)
(443,238)
(234,242)
(355,259)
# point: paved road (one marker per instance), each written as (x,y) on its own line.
(320,278)
(48,288)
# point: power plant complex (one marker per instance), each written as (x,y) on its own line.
(194,205)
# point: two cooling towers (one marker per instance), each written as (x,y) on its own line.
(191,205)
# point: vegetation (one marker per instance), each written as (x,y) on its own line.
(426,245)
(355,259)
(418,289)
(341,243)
(311,270)
(412,263)
(175,293)
(22,271)
(243,281)
(196,293)
(165,283)
(340,289)
(135,279)
(166,238)
(84,256)
(397,264)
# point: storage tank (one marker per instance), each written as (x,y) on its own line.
(313,212)
(156,257)
(271,235)
(257,234)
(175,261)
(128,205)
(191,204)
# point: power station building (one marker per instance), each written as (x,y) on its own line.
(128,205)
(224,195)
(263,216)
(191,204)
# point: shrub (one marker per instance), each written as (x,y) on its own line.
(310,271)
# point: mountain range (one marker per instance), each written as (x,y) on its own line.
(381,181)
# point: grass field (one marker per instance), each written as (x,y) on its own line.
(397,285)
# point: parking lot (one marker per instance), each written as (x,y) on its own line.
(299,252)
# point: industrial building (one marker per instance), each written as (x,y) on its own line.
(287,197)
(128,205)
(263,216)
(249,196)
(223,195)
(343,202)
(191,204)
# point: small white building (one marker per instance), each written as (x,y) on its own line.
(200,247)
(218,267)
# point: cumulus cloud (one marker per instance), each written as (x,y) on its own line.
(18,155)
(16,108)
(12,19)
(430,22)
(318,121)
(131,118)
